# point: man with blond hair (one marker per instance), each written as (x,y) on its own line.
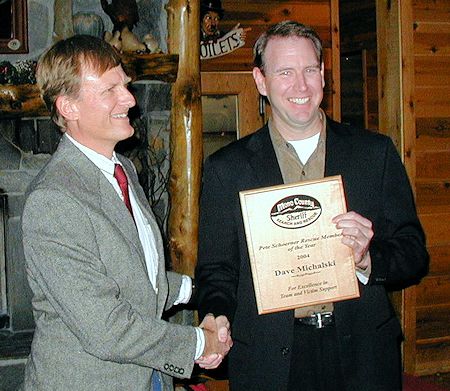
(93,250)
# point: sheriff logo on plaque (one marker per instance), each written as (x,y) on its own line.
(296,255)
(295,211)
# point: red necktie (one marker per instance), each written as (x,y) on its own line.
(121,178)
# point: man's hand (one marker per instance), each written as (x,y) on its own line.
(217,341)
(357,233)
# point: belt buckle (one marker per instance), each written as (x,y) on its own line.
(319,317)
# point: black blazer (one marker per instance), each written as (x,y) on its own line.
(369,333)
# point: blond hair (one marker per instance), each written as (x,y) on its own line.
(59,69)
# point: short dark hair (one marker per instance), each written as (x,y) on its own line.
(59,68)
(287,28)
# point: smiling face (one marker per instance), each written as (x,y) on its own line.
(98,117)
(293,82)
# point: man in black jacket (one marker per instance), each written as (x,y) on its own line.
(358,347)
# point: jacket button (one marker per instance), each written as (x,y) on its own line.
(285,351)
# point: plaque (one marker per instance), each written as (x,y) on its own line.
(296,255)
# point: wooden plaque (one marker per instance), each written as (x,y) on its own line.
(296,255)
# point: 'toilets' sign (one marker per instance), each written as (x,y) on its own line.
(224,45)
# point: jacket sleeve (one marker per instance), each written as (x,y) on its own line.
(174,280)
(398,252)
(218,253)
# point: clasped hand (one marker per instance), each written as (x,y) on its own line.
(217,341)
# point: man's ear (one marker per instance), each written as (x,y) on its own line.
(67,108)
(260,81)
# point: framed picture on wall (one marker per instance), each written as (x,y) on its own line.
(220,121)
(13,26)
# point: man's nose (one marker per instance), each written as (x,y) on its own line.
(300,82)
(127,97)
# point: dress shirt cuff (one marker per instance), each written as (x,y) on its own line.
(363,275)
(200,343)
(185,290)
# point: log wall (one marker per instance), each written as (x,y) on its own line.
(431,39)
(413,107)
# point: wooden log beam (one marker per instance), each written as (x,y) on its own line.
(186,135)
(162,67)
(24,100)
(21,100)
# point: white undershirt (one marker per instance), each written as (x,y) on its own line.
(306,147)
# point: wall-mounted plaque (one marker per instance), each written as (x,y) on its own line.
(296,255)
(13,26)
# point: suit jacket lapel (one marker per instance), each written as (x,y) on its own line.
(265,165)
(263,159)
(103,194)
(338,151)
(142,200)
(112,206)
(161,278)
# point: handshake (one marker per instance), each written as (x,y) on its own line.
(217,341)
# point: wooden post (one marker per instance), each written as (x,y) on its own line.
(335,61)
(186,135)
(397,119)
(396,77)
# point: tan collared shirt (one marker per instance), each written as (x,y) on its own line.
(293,170)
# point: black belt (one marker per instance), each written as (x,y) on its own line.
(318,320)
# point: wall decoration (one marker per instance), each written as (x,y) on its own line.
(124,16)
(13,26)
(213,42)
(21,72)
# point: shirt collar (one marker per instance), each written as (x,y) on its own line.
(279,140)
(102,162)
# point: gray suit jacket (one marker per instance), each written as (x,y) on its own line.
(98,319)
